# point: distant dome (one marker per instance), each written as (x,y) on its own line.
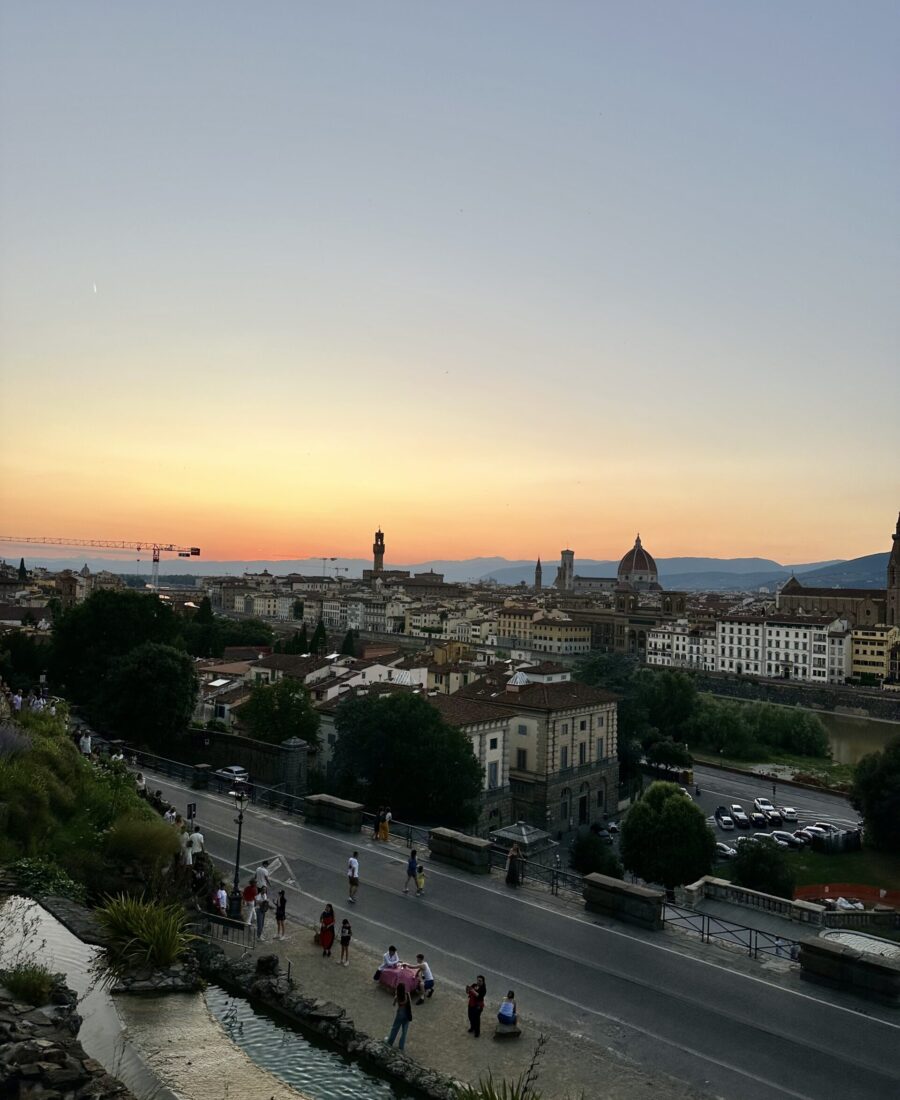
(638,567)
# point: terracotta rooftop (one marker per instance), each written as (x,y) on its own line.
(561,695)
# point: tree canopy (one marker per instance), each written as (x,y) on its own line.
(875,793)
(90,637)
(398,750)
(149,695)
(319,639)
(665,837)
(765,866)
(277,712)
(590,854)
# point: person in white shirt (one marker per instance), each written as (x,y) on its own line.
(353,876)
(426,978)
(197,841)
(262,875)
(222,900)
(85,744)
(187,854)
(169,815)
(391,960)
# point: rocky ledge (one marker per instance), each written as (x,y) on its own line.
(40,1055)
(261,980)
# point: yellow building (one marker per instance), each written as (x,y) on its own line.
(871,653)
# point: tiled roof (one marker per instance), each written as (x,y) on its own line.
(460,711)
(561,695)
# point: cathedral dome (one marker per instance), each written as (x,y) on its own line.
(638,566)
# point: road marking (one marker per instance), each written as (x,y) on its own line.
(521,900)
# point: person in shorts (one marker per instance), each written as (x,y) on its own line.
(353,876)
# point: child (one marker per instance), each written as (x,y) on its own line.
(420,881)
(346,936)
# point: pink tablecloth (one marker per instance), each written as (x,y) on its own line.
(391,977)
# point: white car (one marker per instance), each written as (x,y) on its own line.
(724,852)
(769,837)
(788,813)
(724,822)
(827,827)
(233,774)
(763,805)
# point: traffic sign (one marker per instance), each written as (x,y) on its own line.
(192,810)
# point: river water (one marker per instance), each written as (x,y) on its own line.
(852,738)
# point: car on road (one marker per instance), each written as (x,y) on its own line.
(788,813)
(773,817)
(723,818)
(234,774)
(788,838)
(763,805)
(758,819)
(739,817)
(724,852)
(769,836)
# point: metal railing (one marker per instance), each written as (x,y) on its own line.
(752,940)
(210,926)
(551,875)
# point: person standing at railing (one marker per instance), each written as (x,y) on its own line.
(513,859)
(280,915)
(386,824)
(248,901)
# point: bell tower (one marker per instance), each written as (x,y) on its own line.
(538,576)
(378,551)
(893,580)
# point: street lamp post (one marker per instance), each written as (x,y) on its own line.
(234,899)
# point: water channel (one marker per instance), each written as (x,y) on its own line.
(208,1046)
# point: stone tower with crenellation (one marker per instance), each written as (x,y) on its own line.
(378,551)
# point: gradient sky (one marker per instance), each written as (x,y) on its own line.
(500,277)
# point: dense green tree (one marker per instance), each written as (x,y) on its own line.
(397,749)
(201,633)
(348,645)
(297,609)
(612,671)
(276,712)
(669,754)
(765,866)
(319,639)
(89,637)
(204,613)
(149,696)
(23,572)
(591,855)
(665,837)
(875,793)
(298,643)
(23,658)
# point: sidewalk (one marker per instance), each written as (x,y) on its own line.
(571,1066)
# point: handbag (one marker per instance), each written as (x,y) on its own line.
(317,939)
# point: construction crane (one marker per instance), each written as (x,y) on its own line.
(117,544)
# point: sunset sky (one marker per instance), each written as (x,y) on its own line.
(499,277)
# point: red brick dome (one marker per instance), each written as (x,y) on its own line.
(637,561)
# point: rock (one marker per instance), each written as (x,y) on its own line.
(507,1031)
(267,964)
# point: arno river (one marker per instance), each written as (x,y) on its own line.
(851,738)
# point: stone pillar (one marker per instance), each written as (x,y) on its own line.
(200,779)
(294,765)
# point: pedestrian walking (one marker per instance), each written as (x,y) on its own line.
(261,908)
(346,937)
(476,993)
(379,821)
(426,978)
(512,865)
(420,881)
(280,915)
(353,876)
(386,824)
(198,841)
(326,930)
(221,900)
(248,901)
(507,1013)
(412,866)
(187,852)
(402,1017)
(262,875)
(141,783)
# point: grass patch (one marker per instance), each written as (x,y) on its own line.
(821,768)
(865,868)
(28,982)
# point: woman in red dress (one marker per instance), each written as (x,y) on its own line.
(326,929)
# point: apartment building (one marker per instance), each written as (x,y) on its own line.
(871,650)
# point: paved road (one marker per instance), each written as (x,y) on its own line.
(724,787)
(640,996)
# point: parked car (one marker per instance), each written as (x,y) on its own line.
(773,817)
(758,819)
(724,852)
(827,827)
(723,818)
(770,836)
(788,838)
(788,813)
(739,840)
(810,832)
(738,816)
(233,774)
(763,805)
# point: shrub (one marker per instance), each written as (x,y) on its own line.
(42,877)
(764,866)
(12,740)
(142,934)
(29,982)
(148,842)
(590,854)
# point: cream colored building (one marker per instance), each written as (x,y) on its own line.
(871,650)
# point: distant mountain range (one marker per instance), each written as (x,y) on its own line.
(690,574)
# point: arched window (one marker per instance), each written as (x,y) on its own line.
(565,802)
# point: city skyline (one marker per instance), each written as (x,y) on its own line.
(501,280)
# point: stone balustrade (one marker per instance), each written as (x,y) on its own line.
(333,813)
(624,901)
(469,853)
